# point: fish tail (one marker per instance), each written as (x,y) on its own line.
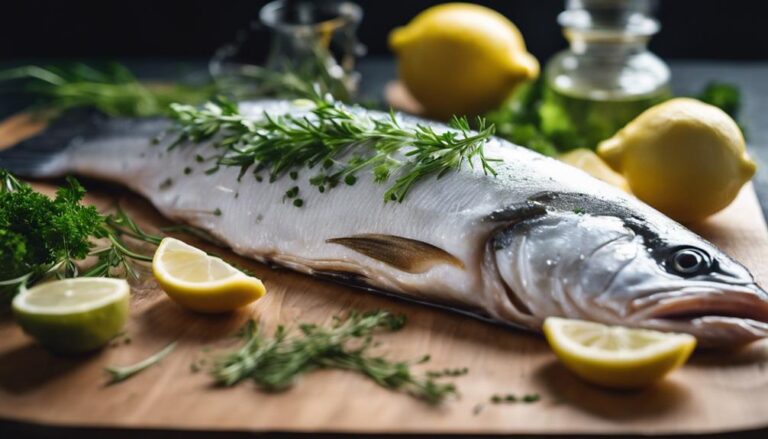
(42,155)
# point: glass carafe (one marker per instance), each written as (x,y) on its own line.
(607,76)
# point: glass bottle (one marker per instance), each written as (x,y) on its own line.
(607,76)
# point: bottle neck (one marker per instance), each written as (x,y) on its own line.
(603,44)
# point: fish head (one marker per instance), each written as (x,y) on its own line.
(617,270)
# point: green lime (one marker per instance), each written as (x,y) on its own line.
(74,315)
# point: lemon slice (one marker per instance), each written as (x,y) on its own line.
(201,282)
(615,356)
(73,315)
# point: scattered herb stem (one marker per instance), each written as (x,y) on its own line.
(275,363)
(118,374)
(335,143)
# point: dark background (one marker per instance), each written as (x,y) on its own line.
(691,29)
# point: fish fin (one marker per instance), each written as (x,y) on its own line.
(517,212)
(405,254)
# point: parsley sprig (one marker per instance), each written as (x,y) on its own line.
(335,143)
(275,363)
(42,237)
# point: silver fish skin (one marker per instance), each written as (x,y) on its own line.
(539,239)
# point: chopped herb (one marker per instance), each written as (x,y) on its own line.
(259,178)
(448,373)
(531,398)
(275,363)
(285,143)
(217,212)
(165,184)
(511,398)
(121,373)
(294,175)
(292,192)
(187,170)
(579,211)
(298,202)
(199,158)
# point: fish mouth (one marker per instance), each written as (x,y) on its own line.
(717,316)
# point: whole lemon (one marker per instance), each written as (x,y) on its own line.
(684,157)
(460,58)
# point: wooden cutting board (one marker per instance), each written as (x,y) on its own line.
(714,392)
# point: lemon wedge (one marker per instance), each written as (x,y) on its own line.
(73,315)
(615,356)
(200,282)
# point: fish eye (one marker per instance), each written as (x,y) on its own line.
(689,261)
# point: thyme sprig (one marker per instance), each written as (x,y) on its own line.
(336,143)
(275,363)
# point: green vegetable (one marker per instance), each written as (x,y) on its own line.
(518,119)
(275,363)
(548,122)
(722,95)
(43,237)
(113,90)
(121,373)
(334,142)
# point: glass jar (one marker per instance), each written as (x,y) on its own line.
(607,76)
(311,42)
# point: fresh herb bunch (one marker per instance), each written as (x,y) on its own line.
(113,90)
(42,237)
(275,363)
(335,143)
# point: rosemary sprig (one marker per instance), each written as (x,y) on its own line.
(112,89)
(121,373)
(275,363)
(335,143)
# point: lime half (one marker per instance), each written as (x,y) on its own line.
(74,315)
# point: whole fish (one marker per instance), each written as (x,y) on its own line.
(539,239)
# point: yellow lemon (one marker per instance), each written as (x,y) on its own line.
(614,356)
(462,59)
(73,315)
(589,162)
(201,282)
(684,157)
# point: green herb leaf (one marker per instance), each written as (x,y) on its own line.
(113,89)
(343,141)
(42,237)
(275,363)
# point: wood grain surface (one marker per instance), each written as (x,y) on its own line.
(716,391)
